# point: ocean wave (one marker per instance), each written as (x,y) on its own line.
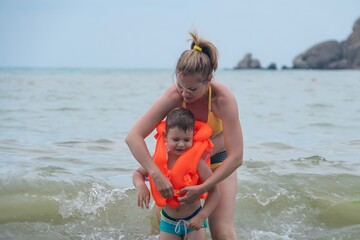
(70,207)
(88,141)
(273,202)
(307,198)
(49,198)
(64,109)
(277,145)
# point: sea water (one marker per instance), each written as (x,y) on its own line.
(65,171)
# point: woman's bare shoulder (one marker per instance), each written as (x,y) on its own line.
(221,90)
(171,93)
(222,96)
(158,111)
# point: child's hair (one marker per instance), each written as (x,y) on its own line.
(181,118)
(202,58)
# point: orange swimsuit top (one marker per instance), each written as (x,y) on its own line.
(214,122)
(184,172)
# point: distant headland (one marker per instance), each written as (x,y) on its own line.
(329,54)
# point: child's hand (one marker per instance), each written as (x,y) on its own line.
(143,196)
(196,222)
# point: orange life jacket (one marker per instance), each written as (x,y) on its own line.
(184,172)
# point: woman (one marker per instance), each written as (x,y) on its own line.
(210,102)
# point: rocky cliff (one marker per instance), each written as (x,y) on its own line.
(329,54)
(332,54)
(248,62)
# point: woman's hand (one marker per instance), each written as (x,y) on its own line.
(163,185)
(196,222)
(192,194)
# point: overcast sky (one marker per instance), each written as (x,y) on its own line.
(152,34)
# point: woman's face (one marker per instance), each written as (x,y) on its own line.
(191,86)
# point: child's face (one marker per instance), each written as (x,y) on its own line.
(179,141)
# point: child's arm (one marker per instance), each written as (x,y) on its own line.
(211,201)
(143,193)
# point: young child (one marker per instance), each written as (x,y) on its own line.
(182,152)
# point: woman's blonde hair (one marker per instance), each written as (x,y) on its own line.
(202,58)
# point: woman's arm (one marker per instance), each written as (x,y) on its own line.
(211,201)
(233,140)
(143,127)
(226,108)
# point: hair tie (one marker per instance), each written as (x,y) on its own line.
(197,48)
